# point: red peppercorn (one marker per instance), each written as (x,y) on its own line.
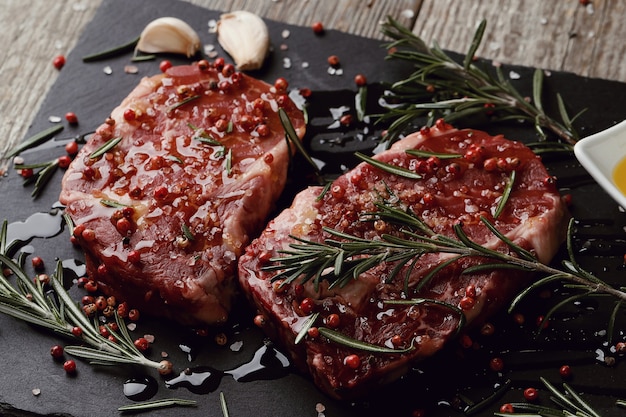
(496,364)
(259,320)
(305,92)
(123,225)
(56,351)
(219,63)
(160,193)
(37,263)
(333,321)
(71,148)
(64,161)
(263,130)
(307,305)
(165,367)
(91,286)
(90,309)
(77,331)
(58,61)
(565,371)
(467,303)
(104,331)
(87,299)
(281,85)
(333,61)
(487,329)
(360,80)
(122,310)
(318,28)
(89,235)
(69,366)
(228,70)
(203,65)
(71,118)
(165,65)
(27,172)
(142,344)
(531,394)
(100,303)
(134,256)
(133,314)
(620,347)
(313,332)
(507,408)
(346,120)
(130,115)
(352,361)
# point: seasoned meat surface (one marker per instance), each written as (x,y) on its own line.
(451,191)
(198,161)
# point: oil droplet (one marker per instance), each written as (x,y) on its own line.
(267,363)
(199,380)
(42,225)
(140,388)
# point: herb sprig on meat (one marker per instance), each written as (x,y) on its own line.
(442,87)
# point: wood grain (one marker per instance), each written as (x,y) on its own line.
(559,35)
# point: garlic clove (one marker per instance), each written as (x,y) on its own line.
(245,37)
(169,35)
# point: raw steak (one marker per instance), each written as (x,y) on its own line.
(164,214)
(450,191)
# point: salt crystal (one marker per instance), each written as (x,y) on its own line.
(284,47)
(36,392)
(79,7)
(212,25)
(131,326)
(108,70)
(286,63)
(514,75)
(407,13)
(131,69)
(54,119)
(58,44)
(543,21)
(494,46)
(305,65)
(236,347)
(149,337)
(320,408)
(285,34)
(164,354)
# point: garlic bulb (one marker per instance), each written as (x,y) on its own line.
(245,37)
(169,35)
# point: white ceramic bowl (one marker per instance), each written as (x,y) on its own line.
(600,153)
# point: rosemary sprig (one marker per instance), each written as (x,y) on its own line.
(55,310)
(35,140)
(442,87)
(568,401)
(341,257)
(41,177)
(151,405)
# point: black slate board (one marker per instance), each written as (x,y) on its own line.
(576,337)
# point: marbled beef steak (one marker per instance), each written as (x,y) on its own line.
(460,189)
(198,161)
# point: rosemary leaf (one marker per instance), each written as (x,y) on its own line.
(107,146)
(187,232)
(35,140)
(426,154)
(308,323)
(293,138)
(111,52)
(391,169)
(151,405)
(344,340)
(223,405)
(183,102)
(112,203)
(505,195)
(478,37)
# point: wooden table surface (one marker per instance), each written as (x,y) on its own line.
(558,35)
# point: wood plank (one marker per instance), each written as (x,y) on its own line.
(557,35)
